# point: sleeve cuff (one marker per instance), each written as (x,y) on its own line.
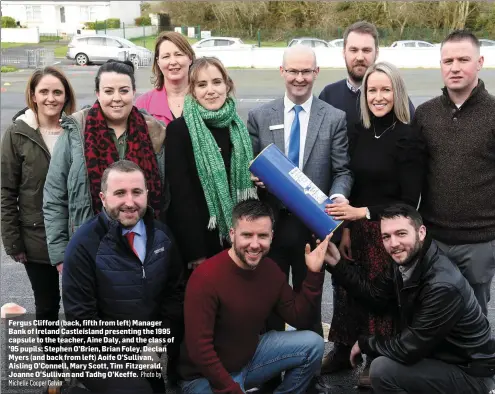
(315,279)
(337,195)
(363,343)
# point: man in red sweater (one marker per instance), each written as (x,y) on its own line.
(228,299)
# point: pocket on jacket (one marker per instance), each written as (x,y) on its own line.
(34,219)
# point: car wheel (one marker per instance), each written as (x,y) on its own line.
(135,61)
(81,59)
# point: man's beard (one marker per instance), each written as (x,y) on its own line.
(240,254)
(414,253)
(356,77)
(115,213)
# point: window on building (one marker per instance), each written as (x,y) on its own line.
(84,13)
(62,14)
(33,13)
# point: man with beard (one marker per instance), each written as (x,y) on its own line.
(458,201)
(123,265)
(443,341)
(229,297)
(360,52)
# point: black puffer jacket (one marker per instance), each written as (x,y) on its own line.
(440,317)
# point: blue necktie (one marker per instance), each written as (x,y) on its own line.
(295,137)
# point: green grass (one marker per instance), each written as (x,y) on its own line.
(50,38)
(61,51)
(8,69)
(5,45)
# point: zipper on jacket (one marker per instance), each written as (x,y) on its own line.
(144,272)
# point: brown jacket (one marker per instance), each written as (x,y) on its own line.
(24,165)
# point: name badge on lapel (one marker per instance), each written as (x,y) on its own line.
(277,127)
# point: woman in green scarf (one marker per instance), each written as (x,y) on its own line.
(207,155)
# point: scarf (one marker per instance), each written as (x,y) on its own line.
(100,151)
(220,198)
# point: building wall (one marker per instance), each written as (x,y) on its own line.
(48,19)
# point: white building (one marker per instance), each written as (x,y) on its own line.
(59,17)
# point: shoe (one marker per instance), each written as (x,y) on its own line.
(364,380)
(337,360)
(318,385)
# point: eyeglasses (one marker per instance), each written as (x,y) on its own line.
(295,73)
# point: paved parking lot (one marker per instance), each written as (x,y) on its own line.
(253,87)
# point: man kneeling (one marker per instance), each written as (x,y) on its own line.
(228,299)
(443,343)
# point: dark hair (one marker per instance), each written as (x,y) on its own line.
(116,66)
(180,42)
(405,211)
(362,27)
(204,62)
(251,209)
(461,35)
(120,166)
(34,80)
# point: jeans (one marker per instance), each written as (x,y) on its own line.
(426,376)
(298,353)
(477,263)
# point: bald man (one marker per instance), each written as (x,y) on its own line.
(313,136)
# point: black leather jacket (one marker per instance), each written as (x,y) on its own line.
(439,316)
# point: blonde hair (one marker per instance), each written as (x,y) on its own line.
(401,99)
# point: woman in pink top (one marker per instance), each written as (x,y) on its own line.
(173,57)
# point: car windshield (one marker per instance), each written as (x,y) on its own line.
(127,42)
(240,41)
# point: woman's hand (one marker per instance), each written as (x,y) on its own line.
(20,257)
(345,245)
(345,212)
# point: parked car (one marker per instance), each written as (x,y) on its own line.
(308,41)
(338,43)
(225,42)
(486,43)
(98,48)
(411,44)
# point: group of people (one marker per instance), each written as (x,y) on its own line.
(147,209)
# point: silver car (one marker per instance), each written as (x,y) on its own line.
(99,48)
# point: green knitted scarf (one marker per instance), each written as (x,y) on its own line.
(209,163)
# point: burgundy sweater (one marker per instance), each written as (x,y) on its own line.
(225,311)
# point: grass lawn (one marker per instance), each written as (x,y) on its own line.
(5,45)
(8,69)
(60,51)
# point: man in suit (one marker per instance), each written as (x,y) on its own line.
(313,135)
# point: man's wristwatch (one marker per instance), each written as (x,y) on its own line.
(368,214)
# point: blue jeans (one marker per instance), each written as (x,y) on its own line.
(298,353)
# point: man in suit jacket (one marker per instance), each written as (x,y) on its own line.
(313,135)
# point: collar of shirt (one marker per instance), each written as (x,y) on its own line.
(138,229)
(352,88)
(407,271)
(289,105)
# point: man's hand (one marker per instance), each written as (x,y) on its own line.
(60,268)
(345,245)
(355,355)
(316,258)
(195,264)
(345,212)
(20,257)
(257,181)
(332,255)
(340,200)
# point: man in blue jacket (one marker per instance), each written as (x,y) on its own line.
(123,266)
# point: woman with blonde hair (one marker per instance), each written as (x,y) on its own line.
(173,57)
(387,160)
(207,155)
(27,148)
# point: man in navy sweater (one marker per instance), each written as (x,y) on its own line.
(123,265)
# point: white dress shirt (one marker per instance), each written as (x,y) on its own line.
(289,116)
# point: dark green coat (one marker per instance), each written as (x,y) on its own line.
(24,165)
